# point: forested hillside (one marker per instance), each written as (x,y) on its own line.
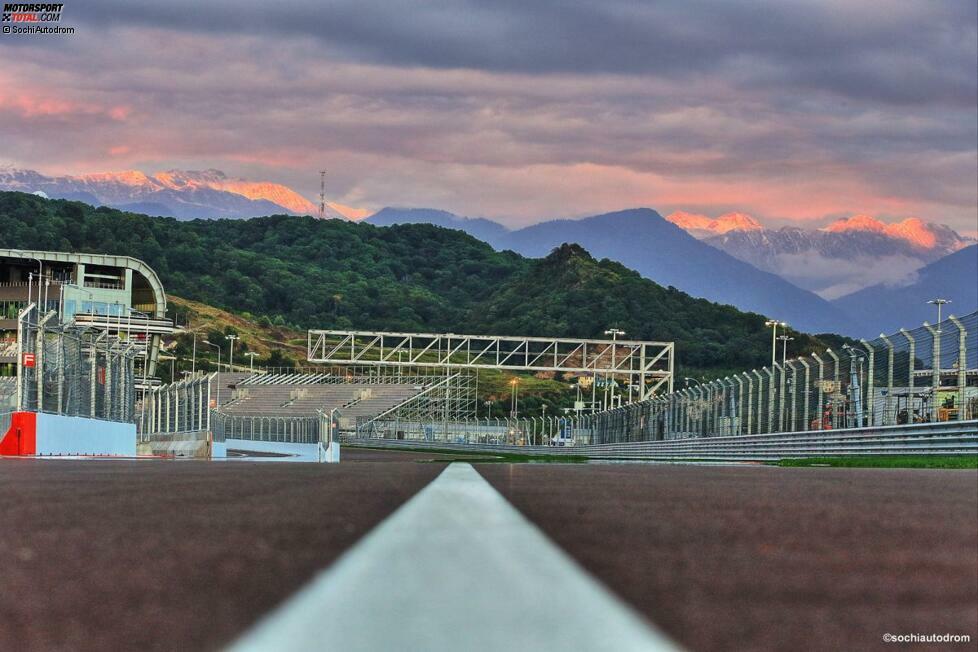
(303,272)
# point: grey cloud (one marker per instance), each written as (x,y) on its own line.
(896,52)
(767,95)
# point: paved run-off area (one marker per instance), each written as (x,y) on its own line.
(190,555)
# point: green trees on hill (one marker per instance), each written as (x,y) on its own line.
(337,274)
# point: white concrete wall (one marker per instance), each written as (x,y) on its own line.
(305,451)
(59,435)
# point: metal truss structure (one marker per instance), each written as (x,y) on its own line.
(450,399)
(646,365)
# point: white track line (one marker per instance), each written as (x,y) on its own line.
(455,568)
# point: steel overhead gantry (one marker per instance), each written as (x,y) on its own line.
(648,363)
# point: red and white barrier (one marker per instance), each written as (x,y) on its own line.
(33,433)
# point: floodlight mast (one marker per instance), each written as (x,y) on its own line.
(939,303)
(773,325)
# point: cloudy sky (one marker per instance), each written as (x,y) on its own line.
(519,110)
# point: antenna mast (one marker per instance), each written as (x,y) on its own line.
(322,194)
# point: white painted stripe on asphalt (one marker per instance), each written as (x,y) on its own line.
(454,568)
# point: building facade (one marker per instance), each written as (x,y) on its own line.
(120,295)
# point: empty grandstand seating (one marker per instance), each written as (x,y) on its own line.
(8,394)
(8,348)
(308,394)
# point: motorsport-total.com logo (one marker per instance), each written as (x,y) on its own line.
(33,18)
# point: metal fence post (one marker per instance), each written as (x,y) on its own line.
(740,403)
(962,367)
(836,383)
(760,396)
(820,405)
(39,359)
(911,356)
(60,365)
(935,364)
(781,387)
(805,423)
(887,421)
(870,386)
(793,394)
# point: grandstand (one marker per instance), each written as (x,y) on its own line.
(298,394)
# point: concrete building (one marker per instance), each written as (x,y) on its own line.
(117,294)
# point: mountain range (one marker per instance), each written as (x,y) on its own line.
(847,255)
(886,307)
(311,273)
(887,266)
(801,275)
(644,241)
(181,194)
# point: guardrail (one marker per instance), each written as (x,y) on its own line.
(952,438)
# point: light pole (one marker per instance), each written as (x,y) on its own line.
(193,354)
(251,364)
(688,380)
(773,325)
(515,398)
(784,349)
(614,332)
(488,404)
(231,338)
(217,397)
(939,303)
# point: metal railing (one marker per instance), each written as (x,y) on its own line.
(949,438)
(4,422)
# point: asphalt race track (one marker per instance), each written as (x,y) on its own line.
(768,558)
(181,555)
(120,555)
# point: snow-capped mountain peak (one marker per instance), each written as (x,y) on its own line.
(913,230)
(703,226)
(217,180)
(184,194)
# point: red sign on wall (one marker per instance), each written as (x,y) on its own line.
(29,360)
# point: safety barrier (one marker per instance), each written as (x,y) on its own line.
(301,436)
(951,438)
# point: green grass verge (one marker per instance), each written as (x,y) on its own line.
(483,457)
(889,461)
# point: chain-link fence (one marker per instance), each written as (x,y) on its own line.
(72,371)
(179,407)
(295,429)
(929,374)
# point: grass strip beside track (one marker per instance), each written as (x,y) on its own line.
(889,461)
(449,455)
